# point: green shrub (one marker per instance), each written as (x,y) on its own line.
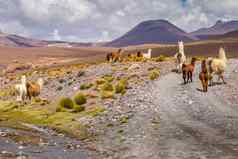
(107,87)
(60,109)
(70,83)
(124,119)
(121,86)
(161,58)
(80,99)
(109,78)
(97,110)
(107,94)
(100,81)
(86,86)
(78,108)
(66,103)
(154,74)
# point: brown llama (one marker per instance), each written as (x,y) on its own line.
(34,88)
(139,54)
(187,70)
(109,57)
(114,56)
(204,76)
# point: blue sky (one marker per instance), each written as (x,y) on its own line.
(100,20)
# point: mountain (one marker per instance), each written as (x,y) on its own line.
(229,35)
(218,29)
(153,31)
(19,41)
(12,40)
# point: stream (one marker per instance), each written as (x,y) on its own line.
(40,144)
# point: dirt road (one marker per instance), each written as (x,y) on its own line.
(195,124)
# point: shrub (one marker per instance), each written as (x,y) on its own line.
(80,73)
(107,94)
(80,99)
(109,78)
(86,86)
(121,86)
(97,110)
(100,81)
(70,83)
(154,74)
(66,103)
(161,58)
(124,119)
(59,88)
(78,108)
(62,80)
(60,109)
(107,87)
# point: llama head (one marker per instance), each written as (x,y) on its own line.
(40,82)
(23,79)
(193,61)
(222,54)
(149,51)
(181,47)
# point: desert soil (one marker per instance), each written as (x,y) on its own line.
(165,119)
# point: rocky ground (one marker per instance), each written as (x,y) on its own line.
(155,118)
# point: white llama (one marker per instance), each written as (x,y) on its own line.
(180,57)
(148,54)
(21,89)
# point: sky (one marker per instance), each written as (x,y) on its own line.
(104,20)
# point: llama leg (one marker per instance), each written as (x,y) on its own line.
(211,80)
(204,87)
(188,77)
(177,68)
(222,77)
(205,84)
(18,98)
(184,77)
(191,76)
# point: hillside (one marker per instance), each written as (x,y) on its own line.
(153,31)
(218,29)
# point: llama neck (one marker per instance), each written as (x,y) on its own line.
(40,83)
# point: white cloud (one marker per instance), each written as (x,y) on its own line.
(56,35)
(84,20)
(14,27)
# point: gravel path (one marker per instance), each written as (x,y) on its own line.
(169,120)
(194,124)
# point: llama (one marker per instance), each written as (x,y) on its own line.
(109,57)
(217,66)
(139,54)
(204,76)
(21,89)
(148,54)
(188,70)
(34,89)
(114,56)
(180,57)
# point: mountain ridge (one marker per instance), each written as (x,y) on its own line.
(152,31)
